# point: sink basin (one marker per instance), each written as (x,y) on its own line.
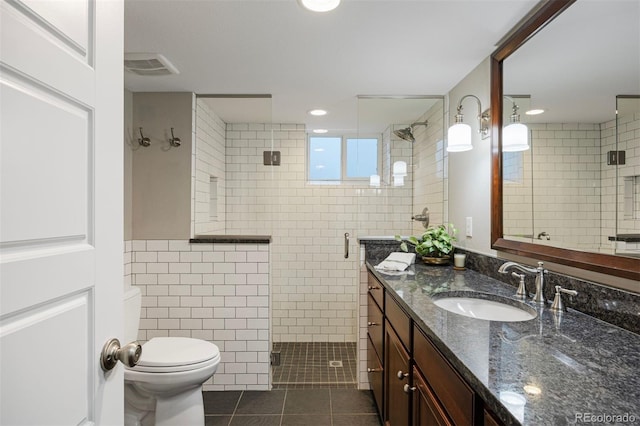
(484,306)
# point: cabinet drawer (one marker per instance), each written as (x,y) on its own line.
(376,376)
(400,321)
(454,394)
(375,321)
(376,290)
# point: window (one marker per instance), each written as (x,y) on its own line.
(341,158)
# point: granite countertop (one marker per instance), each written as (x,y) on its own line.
(583,367)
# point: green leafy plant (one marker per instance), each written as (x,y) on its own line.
(436,241)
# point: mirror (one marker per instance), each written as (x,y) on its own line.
(561,200)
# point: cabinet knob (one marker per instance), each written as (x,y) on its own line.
(374,370)
(401,375)
(408,389)
(371,323)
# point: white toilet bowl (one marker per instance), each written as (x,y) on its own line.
(165,387)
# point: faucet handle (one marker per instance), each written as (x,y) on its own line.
(522,290)
(557,305)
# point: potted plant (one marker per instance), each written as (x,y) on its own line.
(435,245)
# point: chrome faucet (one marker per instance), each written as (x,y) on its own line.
(539,272)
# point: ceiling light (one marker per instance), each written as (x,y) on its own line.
(534,112)
(515,136)
(459,135)
(319,5)
(320,130)
(318,112)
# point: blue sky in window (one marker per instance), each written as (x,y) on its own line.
(325,158)
(362,158)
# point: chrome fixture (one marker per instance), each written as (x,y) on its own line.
(174,141)
(407,133)
(128,354)
(544,235)
(142,140)
(557,305)
(522,293)
(346,245)
(539,272)
(459,135)
(422,217)
(515,136)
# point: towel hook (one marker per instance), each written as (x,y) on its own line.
(142,140)
(174,141)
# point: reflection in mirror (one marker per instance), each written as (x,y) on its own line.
(562,200)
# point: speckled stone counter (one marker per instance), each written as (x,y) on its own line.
(582,366)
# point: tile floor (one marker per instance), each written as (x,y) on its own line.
(317,407)
(309,365)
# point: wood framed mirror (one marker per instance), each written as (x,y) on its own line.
(618,266)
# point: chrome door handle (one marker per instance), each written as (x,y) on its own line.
(346,245)
(128,354)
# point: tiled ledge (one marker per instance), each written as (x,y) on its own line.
(231,239)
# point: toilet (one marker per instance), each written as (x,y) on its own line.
(165,387)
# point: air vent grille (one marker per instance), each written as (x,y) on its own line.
(148,64)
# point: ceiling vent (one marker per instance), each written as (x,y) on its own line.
(148,64)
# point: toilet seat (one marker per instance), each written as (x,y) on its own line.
(175,354)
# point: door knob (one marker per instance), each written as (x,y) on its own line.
(128,354)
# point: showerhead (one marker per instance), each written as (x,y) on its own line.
(407,133)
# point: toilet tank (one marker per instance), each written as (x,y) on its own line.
(132,307)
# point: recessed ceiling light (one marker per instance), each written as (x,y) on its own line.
(318,149)
(534,112)
(319,5)
(532,390)
(318,112)
(320,130)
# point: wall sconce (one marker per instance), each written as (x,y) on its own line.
(399,172)
(142,140)
(374,180)
(459,135)
(515,136)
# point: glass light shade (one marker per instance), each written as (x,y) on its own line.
(320,5)
(399,168)
(398,180)
(459,138)
(515,137)
(374,180)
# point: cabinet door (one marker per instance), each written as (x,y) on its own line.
(426,409)
(396,377)
(376,376)
(375,321)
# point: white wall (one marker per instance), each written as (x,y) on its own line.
(469,186)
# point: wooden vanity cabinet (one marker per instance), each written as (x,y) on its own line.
(397,377)
(426,408)
(375,342)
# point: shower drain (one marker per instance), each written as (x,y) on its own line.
(337,364)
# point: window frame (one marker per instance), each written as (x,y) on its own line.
(344,179)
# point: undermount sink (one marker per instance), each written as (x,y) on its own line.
(484,306)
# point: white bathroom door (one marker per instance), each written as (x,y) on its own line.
(61,232)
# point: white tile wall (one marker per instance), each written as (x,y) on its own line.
(314,288)
(208,161)
(215,292)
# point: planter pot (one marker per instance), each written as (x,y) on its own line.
(444,260)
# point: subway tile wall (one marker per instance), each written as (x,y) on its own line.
(314,287)
(215,292)
(208,161)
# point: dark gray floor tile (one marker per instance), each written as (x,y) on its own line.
(356,420)
(263,420)
(261,402)
(309,401)
(220,402)
(305,420)
(217,420)
(352,401)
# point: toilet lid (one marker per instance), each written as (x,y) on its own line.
(176,351)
